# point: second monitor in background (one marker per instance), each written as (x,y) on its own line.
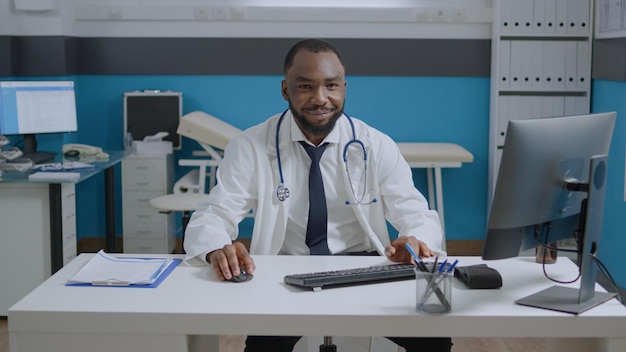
(148,112)
(29,108)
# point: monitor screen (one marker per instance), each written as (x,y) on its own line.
(31,107)
(37,107)
(148,113)
(551,186)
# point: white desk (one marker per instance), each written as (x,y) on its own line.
(36,223)
(433,157)
(58,318)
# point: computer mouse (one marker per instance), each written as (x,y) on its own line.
(72,153)
(242,277)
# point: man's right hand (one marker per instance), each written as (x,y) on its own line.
(226,262)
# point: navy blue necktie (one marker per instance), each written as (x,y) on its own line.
(317,226)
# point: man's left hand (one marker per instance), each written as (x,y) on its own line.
(397,252)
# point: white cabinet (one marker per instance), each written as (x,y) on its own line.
(145,229)
(540,65)
(25,240)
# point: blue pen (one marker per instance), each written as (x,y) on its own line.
(452,266)
(442,266)
(417,259)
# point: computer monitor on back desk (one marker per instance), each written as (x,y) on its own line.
(29,108)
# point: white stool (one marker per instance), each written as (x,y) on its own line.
(433,157)
(183,202)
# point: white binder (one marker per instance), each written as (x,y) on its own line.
(571,64)
(535,107)
(550,16)
(547,109)
(561,16)
(548,64)
(572,17)
(503,119)
(516,16)
(539,17)
(526,22)
(537,78)
(504,81)
(527,62)
(506,19)
(584,18)
(558,48)
(516,65)
(583,56)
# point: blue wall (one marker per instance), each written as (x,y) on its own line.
(427,109)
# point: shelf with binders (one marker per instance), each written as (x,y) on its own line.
(560,18)
(546,65)
(540,65)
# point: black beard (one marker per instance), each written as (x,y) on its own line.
(316,130)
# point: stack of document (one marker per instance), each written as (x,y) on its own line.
(65,166)
(54,176)
(106,270)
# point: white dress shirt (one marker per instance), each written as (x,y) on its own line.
(344,231)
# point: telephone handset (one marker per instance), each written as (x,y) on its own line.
(84,149)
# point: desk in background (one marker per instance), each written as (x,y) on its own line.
(433,157)
(55,317)
(38,222)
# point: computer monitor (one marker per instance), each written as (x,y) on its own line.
(551,187)
(29,108)
(149,112)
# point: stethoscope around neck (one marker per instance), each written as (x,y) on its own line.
(282,192)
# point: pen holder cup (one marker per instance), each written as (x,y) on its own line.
(433,291)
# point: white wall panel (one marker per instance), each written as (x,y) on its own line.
(466,19)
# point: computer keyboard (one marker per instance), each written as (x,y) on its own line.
(355,276)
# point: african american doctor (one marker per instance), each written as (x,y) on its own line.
(266,168)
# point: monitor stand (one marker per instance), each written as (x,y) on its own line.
(30,151)
(569,299)
(40,157)
(564,299)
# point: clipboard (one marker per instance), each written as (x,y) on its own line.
(164,274)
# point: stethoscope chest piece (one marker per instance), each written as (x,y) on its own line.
(282,192)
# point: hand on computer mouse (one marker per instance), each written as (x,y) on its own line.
(230,260)
(242,277)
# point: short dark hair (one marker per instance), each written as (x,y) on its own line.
(314,46)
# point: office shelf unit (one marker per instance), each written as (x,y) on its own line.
(540,65)
(145,229)
(25,259)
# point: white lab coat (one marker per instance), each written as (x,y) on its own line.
(248,178)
